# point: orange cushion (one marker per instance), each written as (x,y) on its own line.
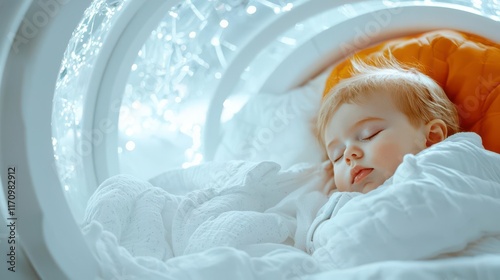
(466,66)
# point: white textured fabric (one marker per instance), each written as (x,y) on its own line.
(436,218)
(224,204)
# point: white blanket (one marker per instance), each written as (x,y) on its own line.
(438,216)
(233,204)
(438,202)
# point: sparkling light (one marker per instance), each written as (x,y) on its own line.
(224,23)
(215,41)
(129,131)
(130,145)
(251,10)
(173,14)
(288,7)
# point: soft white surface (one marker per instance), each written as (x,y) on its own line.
(235,203)
(436,218)
(276,127)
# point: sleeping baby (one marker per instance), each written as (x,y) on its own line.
(370,121)
(377,127)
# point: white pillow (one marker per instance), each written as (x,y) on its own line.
(276,127)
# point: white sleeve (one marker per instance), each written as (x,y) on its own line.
(336,201)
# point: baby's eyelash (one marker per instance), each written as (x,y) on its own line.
(338,158)
(371,136)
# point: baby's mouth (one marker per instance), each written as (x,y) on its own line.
(361,174)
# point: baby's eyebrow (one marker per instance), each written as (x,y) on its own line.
(363,121)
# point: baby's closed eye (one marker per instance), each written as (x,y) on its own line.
(370,134)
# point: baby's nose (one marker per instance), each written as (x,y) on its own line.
(352,154)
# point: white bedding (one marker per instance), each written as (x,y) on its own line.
(276,127)
(436,218)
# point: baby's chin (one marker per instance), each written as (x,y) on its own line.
(374,184)
(363,188)
(370,187)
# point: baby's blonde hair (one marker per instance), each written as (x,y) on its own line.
(417,95)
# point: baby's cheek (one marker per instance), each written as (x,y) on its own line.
(339,179)
(389,158)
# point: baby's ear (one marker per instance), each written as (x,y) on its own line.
(436,131)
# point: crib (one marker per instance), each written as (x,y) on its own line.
(73,111)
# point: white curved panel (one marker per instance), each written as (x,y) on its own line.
(338,41)
(45,223)
(120,52)
(11,16)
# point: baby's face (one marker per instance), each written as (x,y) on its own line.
(366,142)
